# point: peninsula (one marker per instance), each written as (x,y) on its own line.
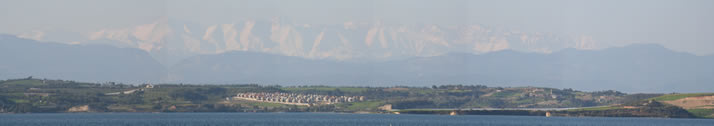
(31,95)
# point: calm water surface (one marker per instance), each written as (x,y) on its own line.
(323,119)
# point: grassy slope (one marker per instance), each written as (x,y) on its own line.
(24,83)
(151,95)
(671,97)
(344,89)
(363,106)
(702,113)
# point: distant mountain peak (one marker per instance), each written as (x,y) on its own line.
(169,40)
(644,46)
(94,63)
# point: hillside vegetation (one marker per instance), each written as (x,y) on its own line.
(699,104)
(41,95)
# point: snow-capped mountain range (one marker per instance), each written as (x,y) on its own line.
(352,53)
(170,41)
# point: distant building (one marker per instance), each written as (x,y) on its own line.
(148,86)
(296,99)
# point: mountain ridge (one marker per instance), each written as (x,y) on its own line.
(97,63)
(634,68)
(640,66)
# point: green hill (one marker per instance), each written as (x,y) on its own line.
(40,95)
(699,104)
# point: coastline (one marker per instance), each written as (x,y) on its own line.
(420,112)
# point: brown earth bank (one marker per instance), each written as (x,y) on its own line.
(642,112)
(664,112)
(700,102)
(637,109)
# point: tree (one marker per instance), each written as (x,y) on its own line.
(189,95)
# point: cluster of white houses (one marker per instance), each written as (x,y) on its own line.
(297,99)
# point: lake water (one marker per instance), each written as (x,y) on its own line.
(323,119)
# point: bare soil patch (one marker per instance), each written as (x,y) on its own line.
(694,102)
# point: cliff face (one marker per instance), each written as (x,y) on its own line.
(638,109)
(664,112)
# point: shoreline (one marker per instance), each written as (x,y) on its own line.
(436,112)
(333,113)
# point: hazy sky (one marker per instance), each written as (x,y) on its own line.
(682,25)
